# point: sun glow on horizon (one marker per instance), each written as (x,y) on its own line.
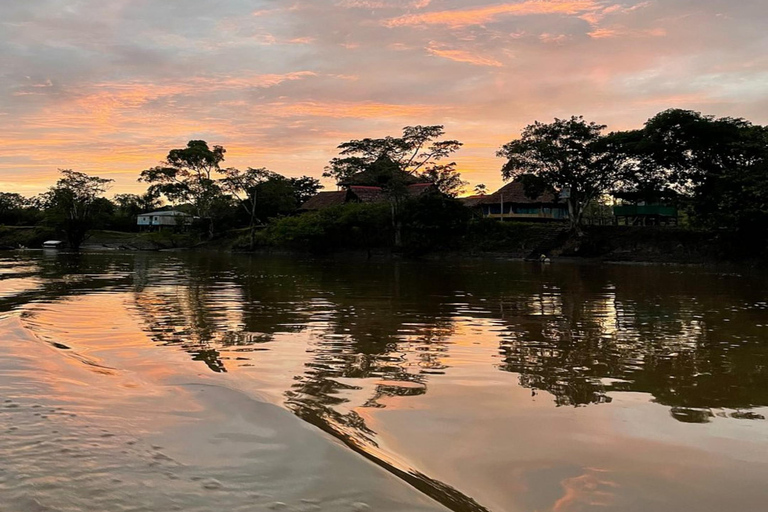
(110,88)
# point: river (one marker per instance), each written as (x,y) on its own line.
(201,382)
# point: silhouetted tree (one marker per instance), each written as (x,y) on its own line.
(304,187)
(570,156)
(418,151)
(189,174)
(74,202)
(720,164)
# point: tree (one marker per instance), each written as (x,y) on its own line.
(418,151)
(74,202)
(446,179)
(304,187)
(720,165)
(135,204)
(481,189)
(13,207)
(570,156)
(189,174)
(244,186)
(130,206)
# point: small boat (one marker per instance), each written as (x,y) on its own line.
(53,244)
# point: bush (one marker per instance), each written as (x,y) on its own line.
(13,238)
(349,226)
(434,222)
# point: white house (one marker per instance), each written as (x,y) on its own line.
(164,218)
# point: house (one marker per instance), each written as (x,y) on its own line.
(373,185)
(511,203)
(164,219)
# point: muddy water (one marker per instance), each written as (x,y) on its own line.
(196,382)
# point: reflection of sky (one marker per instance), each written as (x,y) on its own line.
(110,87)
(462,385)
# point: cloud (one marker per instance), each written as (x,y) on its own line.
(487,14)
(110,87)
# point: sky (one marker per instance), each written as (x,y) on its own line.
(109,87)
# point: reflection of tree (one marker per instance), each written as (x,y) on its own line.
(209,311)
(380,340)
(63,275)
(591,337)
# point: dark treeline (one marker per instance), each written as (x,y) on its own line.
(713,170)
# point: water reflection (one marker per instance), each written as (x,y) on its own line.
(341,338)
(691,339)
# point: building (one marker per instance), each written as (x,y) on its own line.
(374,185)
(511,203)
(164,219)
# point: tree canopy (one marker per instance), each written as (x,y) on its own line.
(189,174)
(74,202)
(570,156)
(418,151)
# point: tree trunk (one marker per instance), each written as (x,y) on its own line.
(574,216)
(252,230)
(397,225)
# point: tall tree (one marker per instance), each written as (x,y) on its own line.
(189,174)
(719,164)
(570,156)
(73,203)
(244,186)
(419,151)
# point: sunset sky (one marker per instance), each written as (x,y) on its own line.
(108,87)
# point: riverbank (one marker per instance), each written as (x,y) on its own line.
(494,240)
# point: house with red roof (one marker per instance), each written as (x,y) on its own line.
(377,184)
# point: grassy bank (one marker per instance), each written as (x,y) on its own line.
(370,233)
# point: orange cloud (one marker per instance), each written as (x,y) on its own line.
(464,56)
(605,33)
(479,16)
(365,110)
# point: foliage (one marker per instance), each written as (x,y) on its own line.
(74,204)
(15,237)
(446,179)
(349,226)
(128,206)
(419,151)
(17,210)
(717,166)
(433,222)
(570,156)
(189,174)
(264,194)
(304,187)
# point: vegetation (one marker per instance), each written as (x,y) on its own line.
(74,204)
(418,152)
(568,155)
(712,170)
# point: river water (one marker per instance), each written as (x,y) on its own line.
(171,381)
